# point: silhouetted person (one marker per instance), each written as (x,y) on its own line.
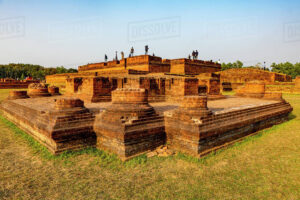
(196,54)
(122,55)
(105,58)
(189,56)
(132,51)
(146,50)
(116,56)
(153,54)
(193,55)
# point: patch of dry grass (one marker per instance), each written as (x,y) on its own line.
(265,166)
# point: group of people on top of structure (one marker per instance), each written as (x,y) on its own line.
(130,54)
(194,54)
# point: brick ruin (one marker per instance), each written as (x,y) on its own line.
(231,79)
(134,105)
(38,90)
(9,83)
(193,129)
(129,126)
(285,87)
(257,90)
(59,124)
(17,95)
(165,80)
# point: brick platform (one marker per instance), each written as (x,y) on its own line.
(196,132)
(129,126)
(60,125)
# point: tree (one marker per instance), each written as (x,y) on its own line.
(22,77)
(287,68)
(237,64)
(20,71)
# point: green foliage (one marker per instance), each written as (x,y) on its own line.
(22,76)
(237,64)
(287,68)
(20,71)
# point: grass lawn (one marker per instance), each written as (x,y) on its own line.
(264,166)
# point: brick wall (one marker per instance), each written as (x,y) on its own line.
(244,75)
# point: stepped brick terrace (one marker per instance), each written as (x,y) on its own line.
(232,79)
(137,104)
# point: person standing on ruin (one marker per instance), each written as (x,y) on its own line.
(193,55)
(189,57)
(146,50)
(122,55)
(116,56)
(132,51)
(105,58)
(196,54)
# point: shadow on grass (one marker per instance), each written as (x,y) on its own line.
(291,116)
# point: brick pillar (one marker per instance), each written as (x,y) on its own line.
(195,106)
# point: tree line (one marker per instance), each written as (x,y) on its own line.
(21,71)
(286,68)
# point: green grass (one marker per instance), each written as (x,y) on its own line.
(264,166)
(228,92)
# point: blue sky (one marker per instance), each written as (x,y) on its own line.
(75,32)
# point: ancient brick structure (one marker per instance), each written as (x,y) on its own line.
(17,95)
(9,83)
(238,77)
(252,89)
(93,89)
(180,110)
(161,77)
(53,90)
(257,90)
(187,66)
(159,87)
(147,63)
(59,124)
(130,125)
(178,87)
(226,86)
(38,90)
(209,83)
(58,80)
(193,129)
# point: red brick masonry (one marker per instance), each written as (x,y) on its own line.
(129,126)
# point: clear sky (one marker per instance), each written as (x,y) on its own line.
(76,32)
